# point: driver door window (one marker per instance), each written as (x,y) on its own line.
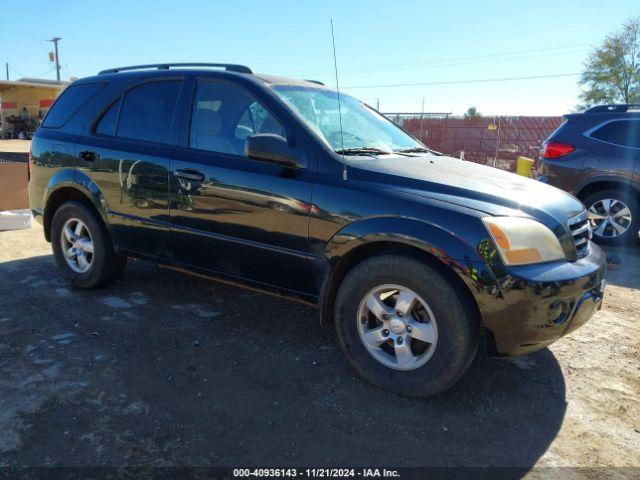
(225,116)
(256,119)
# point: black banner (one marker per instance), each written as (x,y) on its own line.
(231,473)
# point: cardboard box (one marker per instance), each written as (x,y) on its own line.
(14,182)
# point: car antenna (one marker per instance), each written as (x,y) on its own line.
(335,67)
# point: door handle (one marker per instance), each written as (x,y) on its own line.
(89,156)
(189,174)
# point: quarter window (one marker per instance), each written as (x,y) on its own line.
(70,101)
(224,116)
(108,123)
(147,111)
(620,132)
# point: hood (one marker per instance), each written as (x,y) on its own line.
(469,184)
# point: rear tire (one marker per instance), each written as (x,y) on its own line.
(433,354)
(82,247)
(614,217)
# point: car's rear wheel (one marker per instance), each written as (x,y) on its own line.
(405,326)
(82,247)
(614,217)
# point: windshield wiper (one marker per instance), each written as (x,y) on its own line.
(417,150)
(362,151)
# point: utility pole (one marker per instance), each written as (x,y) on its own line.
(55,41)
(495,162)
(421,121)
(6,66)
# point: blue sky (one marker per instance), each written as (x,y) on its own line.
(378,43)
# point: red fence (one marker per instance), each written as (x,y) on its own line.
(495,141)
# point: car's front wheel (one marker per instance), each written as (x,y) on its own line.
(405,326)
(82,247)
(614,216)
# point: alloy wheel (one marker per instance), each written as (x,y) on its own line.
(609,218)
(77,245)
(397,327)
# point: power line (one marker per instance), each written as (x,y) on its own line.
(29,75)
(474,62)
(456,82)
(437,61)
(65,67)
(22,34)
(468,62)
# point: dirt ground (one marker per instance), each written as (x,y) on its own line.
(165,369)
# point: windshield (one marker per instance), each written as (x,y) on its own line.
(362,127)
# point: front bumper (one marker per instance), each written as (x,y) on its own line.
(541,303)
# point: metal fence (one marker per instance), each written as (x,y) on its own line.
(495,141)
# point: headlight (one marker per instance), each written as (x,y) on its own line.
(523,241)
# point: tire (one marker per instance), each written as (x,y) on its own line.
(606,231)
(455,336)
(104,265)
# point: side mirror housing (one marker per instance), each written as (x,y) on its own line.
(270,147)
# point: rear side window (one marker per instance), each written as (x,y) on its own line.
(69,102)
(620,132)
(109,121)
(146,112)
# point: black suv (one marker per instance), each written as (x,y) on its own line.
(287,186)
(595,155)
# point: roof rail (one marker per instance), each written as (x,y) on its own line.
(314,81)
(614,108)
(166,66)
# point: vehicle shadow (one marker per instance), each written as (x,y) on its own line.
(626,262)
(166,369)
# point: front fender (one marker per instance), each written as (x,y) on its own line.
(436,240)
(458,253)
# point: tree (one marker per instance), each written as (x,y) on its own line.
(472,112)
(612,70)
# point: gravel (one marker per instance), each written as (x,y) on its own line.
(166,369)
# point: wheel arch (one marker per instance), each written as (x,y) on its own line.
(608,183)
(58,193)
(404,236)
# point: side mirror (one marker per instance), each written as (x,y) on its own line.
(270,147)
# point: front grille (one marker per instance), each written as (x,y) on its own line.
(580,229)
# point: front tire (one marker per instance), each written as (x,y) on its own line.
(614,217)
(82,247)
(405,326)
